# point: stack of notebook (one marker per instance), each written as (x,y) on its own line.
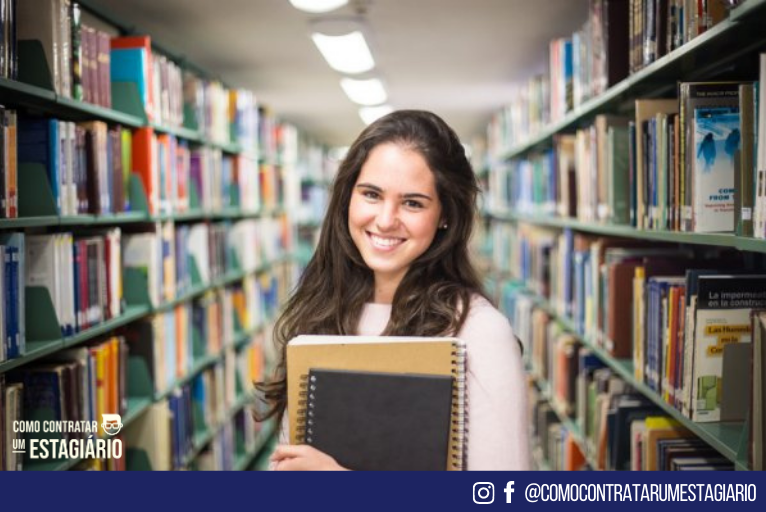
(379,403)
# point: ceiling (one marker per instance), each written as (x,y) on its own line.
(457,58)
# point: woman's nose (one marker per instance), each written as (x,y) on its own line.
(387,218)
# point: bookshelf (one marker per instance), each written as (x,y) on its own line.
(704,57)
(728,50)
(38,213)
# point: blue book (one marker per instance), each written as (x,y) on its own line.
(14,292)
(129,65)
(39,142)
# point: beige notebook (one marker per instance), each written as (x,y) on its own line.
(431,356)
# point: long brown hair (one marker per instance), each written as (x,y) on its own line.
(432,298)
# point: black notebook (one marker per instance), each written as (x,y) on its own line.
(380,421)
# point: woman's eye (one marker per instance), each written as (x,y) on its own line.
(413,204)
(370,194)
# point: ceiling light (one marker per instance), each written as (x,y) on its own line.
(347,54)
(370,114)
(317,6)
(364,92)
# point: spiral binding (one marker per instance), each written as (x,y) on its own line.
(459,438)
(304,423)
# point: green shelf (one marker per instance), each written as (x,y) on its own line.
(136,407)
(29,222)
(716,239)
(23,94)
(44,336)
(130,314)
(82,111)
(181,133)
(726,438)
(103,220)
(34,350)
(188,216)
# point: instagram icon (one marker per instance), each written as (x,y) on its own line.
(483,493)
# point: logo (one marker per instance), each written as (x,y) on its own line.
(508,490)
(483,493)
(112,423)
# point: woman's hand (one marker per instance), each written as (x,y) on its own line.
(302,458)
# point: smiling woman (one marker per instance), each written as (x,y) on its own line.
(393,259)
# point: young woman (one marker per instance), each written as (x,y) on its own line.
(393,259)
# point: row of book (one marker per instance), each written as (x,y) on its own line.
(619,37)
(621,432)
(658,27)
(82,276)
(175,259)
(171,343)
(681,318)
(82,272)
(88,167)
(177,178)
(690,164)
(82,384)
(167,432)
(84,62)
(585,415)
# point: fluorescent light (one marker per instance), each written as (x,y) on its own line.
(347,54)
(364,92)
(371,114)
(317,6)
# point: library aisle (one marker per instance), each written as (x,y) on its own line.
(165,169)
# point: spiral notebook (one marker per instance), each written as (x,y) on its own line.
(399,355)
(379,421)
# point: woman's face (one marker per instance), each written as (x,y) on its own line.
(394,212)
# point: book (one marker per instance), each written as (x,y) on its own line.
(379,421)
(724,303)
(391,354)
(716,138)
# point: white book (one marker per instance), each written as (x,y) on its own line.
(198,249)
(65,47)
(142,251)
(115,271)
(69,188)
(67,268)
(42,266)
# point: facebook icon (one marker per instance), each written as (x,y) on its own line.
(508,491)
